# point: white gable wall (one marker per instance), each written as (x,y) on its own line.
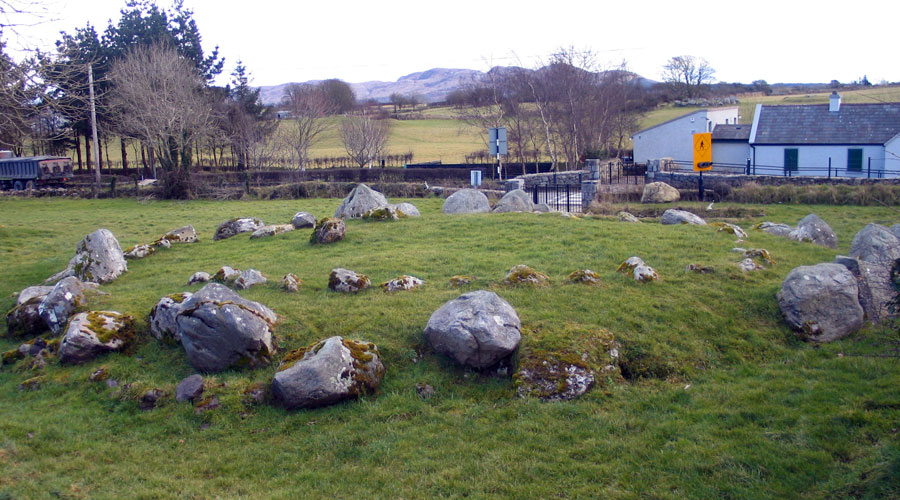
(892,156)
(731,153)
(675,138)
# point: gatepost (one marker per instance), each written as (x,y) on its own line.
(589,184)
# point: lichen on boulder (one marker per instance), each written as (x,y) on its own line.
(327,372)
(524,275)
(328,230)
(585,276)
(360,200)
(90,334)
(385,213)
(233,227)
(404,282)
(461,279)
(725,227)
(226,274)
(629,264)
(645,274)
(139,251)
(347,281)
(291,283)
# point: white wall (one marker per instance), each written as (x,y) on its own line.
(675,139)
(735,153)
(892,157)
(813,160)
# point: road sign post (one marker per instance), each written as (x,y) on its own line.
(702,156)
(497,146)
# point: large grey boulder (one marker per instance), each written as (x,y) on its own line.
(327,372)
(877,295)
(477,329)
(220,330)
(359,201)
(876,244)
(895,230)
(90,334)
(673,216)
(466,201)
(813,229)
(163,326)
(659,192)
(98,258)
(303,219)
(775,228)
(821,302)
(61,302)
(516,200)
(24,320)
(237,226)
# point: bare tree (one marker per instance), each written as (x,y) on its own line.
(364,138)
(308,106)
(158,98)
(687,75)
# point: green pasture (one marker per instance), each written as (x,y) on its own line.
(721,400)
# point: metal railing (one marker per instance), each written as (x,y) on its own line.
(828,171)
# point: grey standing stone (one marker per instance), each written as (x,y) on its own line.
(476,329)
(877,295)
(98,258)
(516,200)
(61,302)
(466,201)
(876,244)
(359,201)
(220,330)
(330,371)
(303,219)
(821,302)
(162,317)
(812,229)
(673,216)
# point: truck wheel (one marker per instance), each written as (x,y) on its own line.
(18,186)
(29,185)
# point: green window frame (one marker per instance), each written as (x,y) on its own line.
(854,159)
(791,159)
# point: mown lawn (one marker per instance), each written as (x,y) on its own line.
(722,400)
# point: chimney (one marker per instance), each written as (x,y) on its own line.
(834,102)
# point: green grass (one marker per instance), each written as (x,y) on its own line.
(733,405)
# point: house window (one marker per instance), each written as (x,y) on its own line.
(790,159)
(854,160)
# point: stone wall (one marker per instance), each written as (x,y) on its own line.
(686,180)
(572,178)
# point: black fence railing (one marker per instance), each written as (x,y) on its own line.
(559,197)
(867,171)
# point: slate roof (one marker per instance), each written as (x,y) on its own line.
(739,132)
(814,124)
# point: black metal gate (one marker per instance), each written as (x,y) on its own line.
(559,197)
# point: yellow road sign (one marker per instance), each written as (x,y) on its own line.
(702,152)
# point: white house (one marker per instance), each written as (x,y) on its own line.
(675,138)
(849,140)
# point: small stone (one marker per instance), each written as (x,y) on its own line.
(303,219)
(99,375)
(627,217)
(236,226)
(424,391)
(697,268)
(402,283)
(461,279)
(645,273)
(199,277)
(729,228)
(149,399)
(629,264)
(248,278)
(208,404)
(585,276)
(522,274)
(329,230)
(291,283)
(748,265)
(272,230)
(226,274)
(139,252)
(189,389)
(347,281)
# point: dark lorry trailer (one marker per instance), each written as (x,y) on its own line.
(34,172)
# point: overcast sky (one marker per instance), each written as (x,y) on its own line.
(356,41)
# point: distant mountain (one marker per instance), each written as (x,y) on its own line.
(432,85)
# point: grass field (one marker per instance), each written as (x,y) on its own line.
(722,400)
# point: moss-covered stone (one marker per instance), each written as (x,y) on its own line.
(461,279)
(585,276)
(524,275)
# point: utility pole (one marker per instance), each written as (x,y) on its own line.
(94,130)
